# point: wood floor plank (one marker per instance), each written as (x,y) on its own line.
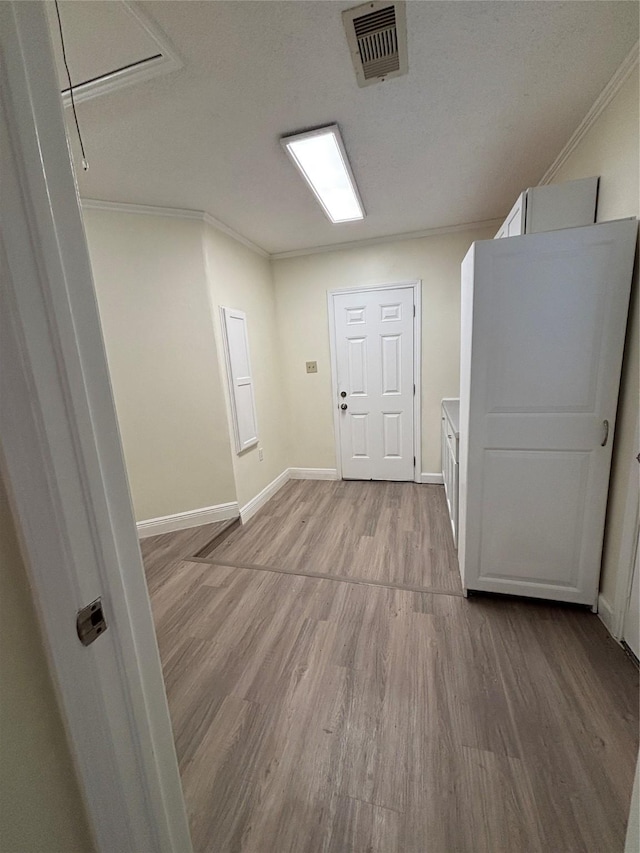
(259,567)
(159,552)
(313,715)
(390,533)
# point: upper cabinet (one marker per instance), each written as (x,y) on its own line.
(551,207)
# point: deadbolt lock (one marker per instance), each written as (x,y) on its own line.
(343,393)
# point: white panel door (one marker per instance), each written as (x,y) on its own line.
(374,369)
(543,327)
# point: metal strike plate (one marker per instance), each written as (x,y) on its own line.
(91,623)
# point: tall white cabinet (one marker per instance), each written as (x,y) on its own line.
(543,327)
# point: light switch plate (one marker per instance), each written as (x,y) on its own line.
(312,367)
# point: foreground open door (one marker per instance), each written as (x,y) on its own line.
(61,457)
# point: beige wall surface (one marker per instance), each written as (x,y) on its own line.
(302,284)
(41,810)
(151,286)
(241,279)
(611,149)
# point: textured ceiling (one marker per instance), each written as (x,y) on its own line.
(494,91)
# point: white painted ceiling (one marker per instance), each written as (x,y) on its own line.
(89,53)
(494,91)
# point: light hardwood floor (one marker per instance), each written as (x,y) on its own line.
(315,714)
(395,534)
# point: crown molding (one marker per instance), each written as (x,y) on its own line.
(200,215)
(628,66)
(173,213)
(235,235)
(140,209)
(391,238)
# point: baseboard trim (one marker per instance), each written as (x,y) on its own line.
(434,479)
(191,518)
(222,512)
(605,612)
(252,506)
(313,473)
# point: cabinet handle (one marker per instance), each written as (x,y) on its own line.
(605,437)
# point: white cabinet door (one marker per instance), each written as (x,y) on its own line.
(553,206)
(446,462)
(543,325)
(450,471)
(374,367)
(513,225)
(515,222)
(567,205)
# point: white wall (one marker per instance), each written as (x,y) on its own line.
(239,278)
(40,804)
(161,281)
(301,287)
(611,149)
(151,286)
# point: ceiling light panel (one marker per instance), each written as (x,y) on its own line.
(322,160)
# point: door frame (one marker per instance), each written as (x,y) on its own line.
(416,286)
(61,458)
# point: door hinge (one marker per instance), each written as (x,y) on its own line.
(414,461)
(414,389)
(414,310)
(90,622)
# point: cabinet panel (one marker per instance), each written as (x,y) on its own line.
(567,205)
(450,470)
(513,225)
(516,220)
(552,207)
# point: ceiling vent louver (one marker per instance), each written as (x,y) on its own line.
(377,37)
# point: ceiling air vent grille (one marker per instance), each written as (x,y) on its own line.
(377,37)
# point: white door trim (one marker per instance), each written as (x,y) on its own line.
(62,460)
(416,285)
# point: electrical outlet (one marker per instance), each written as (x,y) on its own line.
(260,454)
(312,367)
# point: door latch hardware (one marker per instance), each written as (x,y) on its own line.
(343,406)
(90,622)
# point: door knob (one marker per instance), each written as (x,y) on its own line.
(343,406)
(343,393)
